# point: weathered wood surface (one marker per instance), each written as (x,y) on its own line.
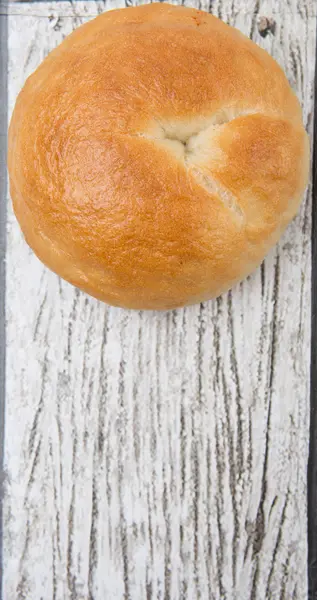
(153,456)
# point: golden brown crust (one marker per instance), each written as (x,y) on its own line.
(155,156)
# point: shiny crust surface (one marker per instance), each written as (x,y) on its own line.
(155,156)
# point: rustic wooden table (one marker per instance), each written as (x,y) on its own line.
(157,456)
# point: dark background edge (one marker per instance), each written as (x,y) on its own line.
(3,147)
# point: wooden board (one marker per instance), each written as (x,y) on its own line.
(152,456)
(3,176)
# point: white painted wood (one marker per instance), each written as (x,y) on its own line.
(153,456)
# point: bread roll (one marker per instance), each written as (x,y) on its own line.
(155,156)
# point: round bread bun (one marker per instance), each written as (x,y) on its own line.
(155,156)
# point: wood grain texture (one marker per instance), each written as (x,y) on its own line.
(159,456)
(3,185)
(312,460)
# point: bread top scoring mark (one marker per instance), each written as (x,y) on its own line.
(192,143)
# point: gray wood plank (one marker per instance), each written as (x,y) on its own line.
(312,460)
(159,455)
(3,146)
